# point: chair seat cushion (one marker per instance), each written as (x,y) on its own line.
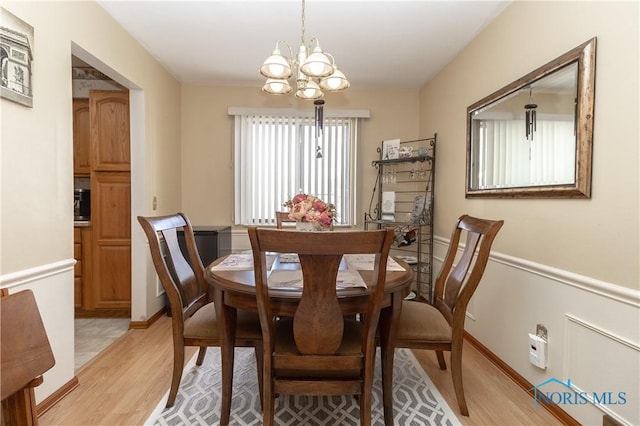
(204,324)
(423,322)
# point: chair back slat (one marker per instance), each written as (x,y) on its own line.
(183,273)
(182,279)
(318,320)
(456,284)
(282,218)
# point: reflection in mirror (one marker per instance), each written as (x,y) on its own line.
(533,138)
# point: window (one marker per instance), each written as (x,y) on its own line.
(277,156)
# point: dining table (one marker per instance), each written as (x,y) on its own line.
(231,280)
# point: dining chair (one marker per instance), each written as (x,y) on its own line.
(440,326)
(26,355)
(193,314)
(318,351)
(283,217)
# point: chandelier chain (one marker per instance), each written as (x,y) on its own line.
(302,32)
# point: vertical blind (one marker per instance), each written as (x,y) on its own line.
(507,159)
(275,158)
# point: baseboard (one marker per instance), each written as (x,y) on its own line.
(554,409)
(141,325)
(101,313)
(55,397)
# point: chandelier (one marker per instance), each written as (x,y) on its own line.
(314,69)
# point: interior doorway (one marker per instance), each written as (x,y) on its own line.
(137,168)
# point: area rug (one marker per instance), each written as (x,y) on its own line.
(416,400)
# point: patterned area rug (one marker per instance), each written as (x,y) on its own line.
(416,400)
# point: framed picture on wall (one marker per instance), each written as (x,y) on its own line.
(16,57)
(390,149)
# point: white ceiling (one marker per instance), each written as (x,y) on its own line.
(397,44)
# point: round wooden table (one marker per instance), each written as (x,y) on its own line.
(236,290)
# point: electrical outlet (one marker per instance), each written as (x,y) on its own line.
(541,331)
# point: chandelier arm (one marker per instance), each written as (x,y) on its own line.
(290,57)
(333,60)
(311,43)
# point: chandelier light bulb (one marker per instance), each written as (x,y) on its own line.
(276,86)
(317,64)
(276,66)
(335,82)
(310,91)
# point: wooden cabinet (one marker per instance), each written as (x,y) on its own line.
(77,270)
(111,223)
(82,271)
(81,141)
(110,136)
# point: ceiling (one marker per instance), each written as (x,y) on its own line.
(392,44)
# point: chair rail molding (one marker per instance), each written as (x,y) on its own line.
(36,273)
(602,288)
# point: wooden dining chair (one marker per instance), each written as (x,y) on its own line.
(26,355)
(440,326)
(282,218)
(193,314)
(319,351)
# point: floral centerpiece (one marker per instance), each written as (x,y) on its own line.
(311,209)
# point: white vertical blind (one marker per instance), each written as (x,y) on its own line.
(507,159)
(275,158)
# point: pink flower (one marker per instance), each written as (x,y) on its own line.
(319,205)
(325,219)
(298,198)
(297,212)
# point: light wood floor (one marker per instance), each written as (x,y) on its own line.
(123,384)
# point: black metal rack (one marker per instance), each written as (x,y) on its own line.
(410,176)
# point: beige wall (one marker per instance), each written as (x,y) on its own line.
(571,265)
(37,162)
(599,237)
(37,187)
(207,137)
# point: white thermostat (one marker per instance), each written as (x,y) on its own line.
(538,351)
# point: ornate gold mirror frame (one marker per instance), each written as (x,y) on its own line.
(569,81)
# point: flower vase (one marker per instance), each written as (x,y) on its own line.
(305,226)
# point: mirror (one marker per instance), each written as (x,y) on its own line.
(533,138)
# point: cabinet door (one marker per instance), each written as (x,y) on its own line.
(81,140)
(111,228)
(78,270)
(110,141)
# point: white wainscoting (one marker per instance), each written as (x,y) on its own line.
(52,286)
(593,329)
